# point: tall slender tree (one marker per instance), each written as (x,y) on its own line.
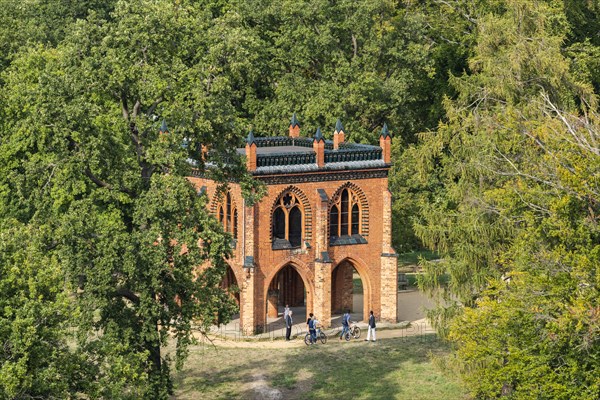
(513,210)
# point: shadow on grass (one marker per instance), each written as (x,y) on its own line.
(389,368)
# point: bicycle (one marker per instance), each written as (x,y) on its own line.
(352,332)
(355,331)
(320,336)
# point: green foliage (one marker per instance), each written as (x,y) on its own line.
(365,62)
(513,207)
(534,338)
(34,316)
(102,233)
(26,23)
(123,230)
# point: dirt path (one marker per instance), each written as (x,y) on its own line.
(418,327)
(262,390)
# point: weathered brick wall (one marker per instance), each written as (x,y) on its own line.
(378,273)
(342,293)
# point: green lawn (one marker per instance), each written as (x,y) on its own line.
(398,368)
(412,257)
(407,263)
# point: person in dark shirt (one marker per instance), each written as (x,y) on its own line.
(311,328)
(371,327)
(345,323)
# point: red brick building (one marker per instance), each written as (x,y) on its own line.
(326,216)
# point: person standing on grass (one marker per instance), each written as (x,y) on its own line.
(372,327)
(345,323)
(311,328)
(288,325)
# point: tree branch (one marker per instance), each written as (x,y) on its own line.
(100,183)
(95,179)
(128,294)
(135,139)
(136,108)
(124,107)
(154,105)
(461,12)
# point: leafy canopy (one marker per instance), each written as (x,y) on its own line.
(513,207)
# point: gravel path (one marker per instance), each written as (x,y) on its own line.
(416,328)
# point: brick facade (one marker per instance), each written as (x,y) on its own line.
(319,270)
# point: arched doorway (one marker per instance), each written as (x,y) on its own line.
(286,287)
(349,291)
(229,283)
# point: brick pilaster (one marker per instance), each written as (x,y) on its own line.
(322,217)
(250,315)
(322,294)
(389,264)
(247,320)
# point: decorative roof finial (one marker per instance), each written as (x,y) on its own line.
(385,132)
(163,126)
(318,135)
(294,122)
(338,126)
(250,138)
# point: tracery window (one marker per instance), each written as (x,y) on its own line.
(227,215)
(287,221)
(345,218)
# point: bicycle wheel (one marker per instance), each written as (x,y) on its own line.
(356,332)
(323,337)
(348,336)
(307,339)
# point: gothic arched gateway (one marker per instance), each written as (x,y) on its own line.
(350,289)
(287,287)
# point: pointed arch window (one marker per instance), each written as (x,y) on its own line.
(345,218)
(288,222)
(227,215)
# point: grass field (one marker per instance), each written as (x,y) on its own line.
(412,257)
(397,368)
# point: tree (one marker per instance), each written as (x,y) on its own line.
(34,317)
(97,132)
(26,23)
(513,210)
(366,62)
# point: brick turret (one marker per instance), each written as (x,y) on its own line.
(250,152)
(338,135)
(294,127)
(319,148)
(385,142)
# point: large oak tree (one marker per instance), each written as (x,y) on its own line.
(98,183)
